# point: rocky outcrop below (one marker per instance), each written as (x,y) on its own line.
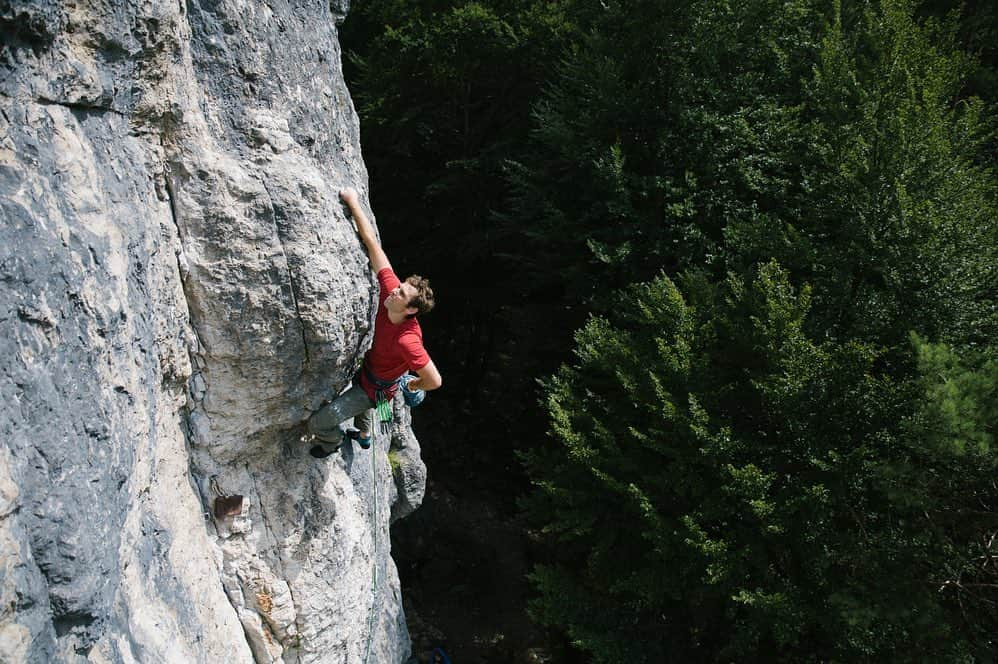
(179,289)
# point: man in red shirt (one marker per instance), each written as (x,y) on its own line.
(397,349)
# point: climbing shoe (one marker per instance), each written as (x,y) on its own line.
(354,434)
(321,451)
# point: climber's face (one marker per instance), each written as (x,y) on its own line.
(398,300)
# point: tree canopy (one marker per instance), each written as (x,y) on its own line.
(773,223)
(773,449)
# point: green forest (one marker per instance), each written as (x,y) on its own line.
(716,290)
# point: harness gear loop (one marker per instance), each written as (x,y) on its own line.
(382,403)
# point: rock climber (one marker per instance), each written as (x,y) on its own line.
(397,350)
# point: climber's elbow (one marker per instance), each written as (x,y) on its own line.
(429,377)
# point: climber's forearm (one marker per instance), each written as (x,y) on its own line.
(429,378)
(379,260)
(365,230)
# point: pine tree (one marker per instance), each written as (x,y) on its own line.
(709,135)
(725,488)
(762,463)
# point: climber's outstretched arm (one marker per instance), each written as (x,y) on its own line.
(379,260)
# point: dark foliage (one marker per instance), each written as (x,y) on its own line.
(775,439)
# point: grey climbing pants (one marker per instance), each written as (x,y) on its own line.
(324,423)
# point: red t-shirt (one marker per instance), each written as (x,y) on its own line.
(396,348)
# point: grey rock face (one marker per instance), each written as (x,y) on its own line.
(179,289)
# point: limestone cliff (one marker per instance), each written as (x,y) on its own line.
(179,289)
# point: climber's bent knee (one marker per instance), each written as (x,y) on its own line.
(324,423)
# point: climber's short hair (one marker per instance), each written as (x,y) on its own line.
(423,299)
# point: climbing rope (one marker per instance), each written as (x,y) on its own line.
(374,566)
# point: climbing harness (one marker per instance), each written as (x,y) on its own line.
(384,390)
